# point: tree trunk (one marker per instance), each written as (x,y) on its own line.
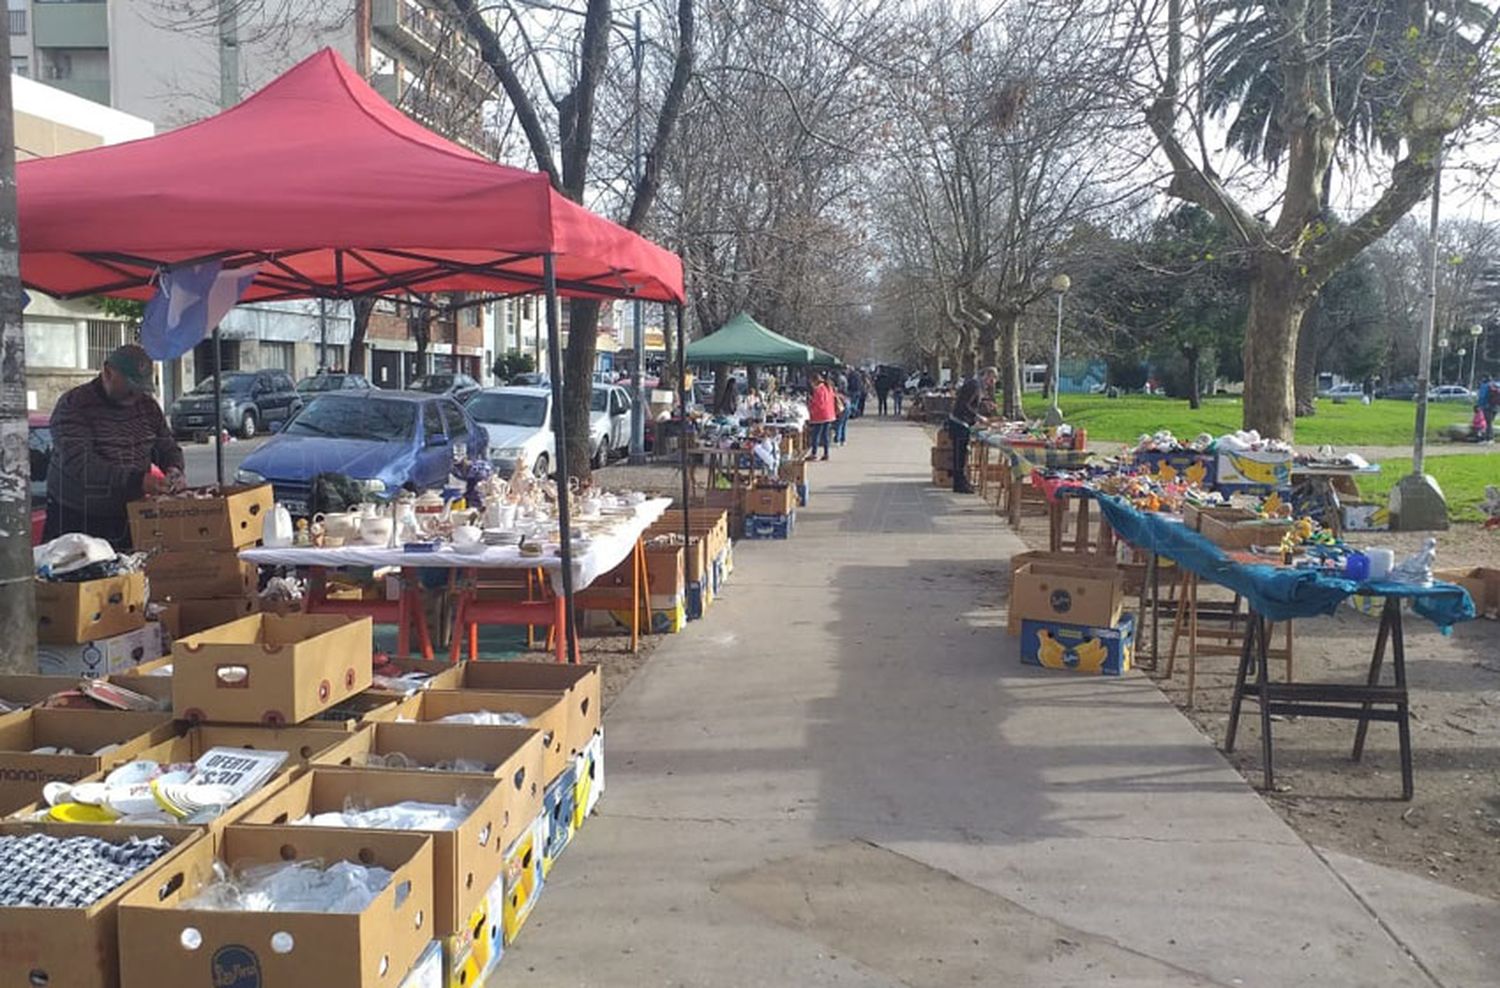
(1306,373)
(668,376)
(1011,383)
(17,569)
(1195,391)
(985,350)
(578,383)
(724,402)
(363,307)
(1271,345)
(966,362)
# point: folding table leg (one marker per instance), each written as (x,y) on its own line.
(1373,678)
(1403,726)
(1264,675)
(1246,652)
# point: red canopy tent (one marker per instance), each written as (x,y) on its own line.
(335,194)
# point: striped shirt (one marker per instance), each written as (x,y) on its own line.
(102,450)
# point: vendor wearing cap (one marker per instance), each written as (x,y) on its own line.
(106,436)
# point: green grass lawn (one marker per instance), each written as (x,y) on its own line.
(1462,479)
(1123,420)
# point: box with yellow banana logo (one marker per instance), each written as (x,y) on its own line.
(1096,651)
(1254,470)
(1183,466)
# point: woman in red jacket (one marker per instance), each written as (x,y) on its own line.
(821,413)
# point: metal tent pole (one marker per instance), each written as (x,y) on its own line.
(218,408)
(682,432)
(560,434)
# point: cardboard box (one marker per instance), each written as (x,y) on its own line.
(557,811)
(465,862)
(79,948)
(1366,518)
(468,956)
(105,657)
(1097,651)
(580,685)
(943,439)
(23,773)
(364,708)
(194,524)
(370,948)
(26,690)
(943,479)
(191,617)
(1483,584)
(523,877)
(427,972)
(1254,470)
(74,613)
(588,775)
(942,458)
(548,712)
(780,499)
(270,669)
(1239,528)
(793,471)
(198,575)
(1199,469)
(515,754)
(664,574)
(778,526)
(1070,593)
(440,675)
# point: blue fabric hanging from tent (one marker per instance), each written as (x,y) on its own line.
(1277,593)
(188,304)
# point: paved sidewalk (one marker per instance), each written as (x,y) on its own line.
(843,775)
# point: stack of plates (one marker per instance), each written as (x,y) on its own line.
(501,536)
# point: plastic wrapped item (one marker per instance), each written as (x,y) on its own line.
(406,815)
(487,718)
(75,557)
(292,887)
(397,759)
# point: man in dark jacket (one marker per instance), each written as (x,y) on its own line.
(974,402)
(106,434)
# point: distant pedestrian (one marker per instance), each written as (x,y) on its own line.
(821,412)
(898,394)
(1489,402)
(882,394)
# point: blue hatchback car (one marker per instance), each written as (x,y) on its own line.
(385,440)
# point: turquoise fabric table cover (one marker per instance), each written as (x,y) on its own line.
(1277,593)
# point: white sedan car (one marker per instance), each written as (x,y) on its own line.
(519,422)
(609,422)
(1451,392)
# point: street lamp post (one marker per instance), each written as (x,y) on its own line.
(1476,331)
(1442,357)
(1060,284)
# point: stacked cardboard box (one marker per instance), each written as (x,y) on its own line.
(195,571)
(794,472)
(709,558)
(770,508)
(942,460)
(665,574)
(1071,616)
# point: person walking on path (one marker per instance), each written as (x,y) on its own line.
(842,407)
(821,413)
(975,400)
(898,395)
(1488,402)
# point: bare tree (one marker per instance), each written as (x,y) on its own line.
(1005,149)
(552,82)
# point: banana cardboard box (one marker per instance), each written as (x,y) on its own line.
(1095,651)
(1180,466)
(1263,470)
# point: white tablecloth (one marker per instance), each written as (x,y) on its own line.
(604,553)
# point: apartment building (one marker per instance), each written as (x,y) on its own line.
(172,64)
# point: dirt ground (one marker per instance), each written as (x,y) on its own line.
(1450,831)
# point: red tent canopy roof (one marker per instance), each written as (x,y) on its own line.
(334,192)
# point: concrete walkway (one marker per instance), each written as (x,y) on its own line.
(844,776)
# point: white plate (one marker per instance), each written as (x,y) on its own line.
(133,773)
(90,793)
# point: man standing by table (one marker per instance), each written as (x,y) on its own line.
(106,436)
(975,401)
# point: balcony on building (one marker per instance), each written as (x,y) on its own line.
(69,24)
(423,36)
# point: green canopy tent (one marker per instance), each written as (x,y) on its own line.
(742,340)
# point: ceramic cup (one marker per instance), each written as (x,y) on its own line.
(467,535)
(1381,561)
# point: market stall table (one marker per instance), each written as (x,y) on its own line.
(606,551)
(1023,458)
(1276,593)
(1324,485)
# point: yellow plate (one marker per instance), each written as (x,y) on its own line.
(81,813)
